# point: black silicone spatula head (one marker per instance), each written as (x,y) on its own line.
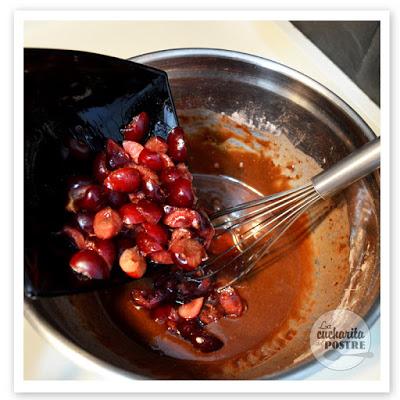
(75,97)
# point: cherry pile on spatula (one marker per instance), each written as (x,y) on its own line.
(139,209)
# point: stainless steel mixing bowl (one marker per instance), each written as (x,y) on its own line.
(273,97)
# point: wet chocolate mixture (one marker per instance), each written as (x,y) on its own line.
(274,296)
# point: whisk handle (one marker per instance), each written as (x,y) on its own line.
(355,166)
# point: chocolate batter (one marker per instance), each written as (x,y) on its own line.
(275,296)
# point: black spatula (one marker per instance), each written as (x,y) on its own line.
(87,97)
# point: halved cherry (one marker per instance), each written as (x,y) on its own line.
(153,190)
(107,223)
(188,253)
(147,244)
(133,263)
(231,302)
(116,199)
(131,214)
(162,257)
(90,264)
(182,218)
(104,247)
(157,144)
(117,157)
(133,149)
(125,180)
(192,309)
(93,199)
(137,128)
(100,167)
(151,211)
(85,222)
(157,232)
(180,193)
(176,145)
(150,159)
(181,233)
(75,235)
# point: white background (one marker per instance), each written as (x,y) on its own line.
(6,159)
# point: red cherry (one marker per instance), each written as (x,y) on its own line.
(147,244)
(133,149)
(176,145)
(131,214)
(151,211)
(157,144)
(117,199)
(150,159)
(162,257)
(231,302)
(182,218)
(133,263)
(116,155)
(188,253)
(137,128)
(125,180)
(180,193)
(75,235)
(90,264)
(93,200)
(100,168)
(192,309)
(157,232)
(107,223)
(105,248)
(85,222)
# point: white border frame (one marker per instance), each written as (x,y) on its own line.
(154,386)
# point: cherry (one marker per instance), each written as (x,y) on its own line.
(116,155)
(147,244)
(162,257)
(93,199)
(125,180)
(151,211)
(107,223)
(75,235)
(182,218)
(192,309)
(200,339)
(176,145)
(150,159)
(153,190)
(133,149)
(104,247)
(85,222)
(180,233)
(131,214)
(231,302)
(157,144)
(157,232)
(211,313)
(148,298)
(90,264)
(187,253)
(132,263)
(117,199)
(180,193)
(169,175)
(100,167)
(164,312)
(137,128)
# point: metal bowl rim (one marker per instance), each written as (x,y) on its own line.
(87,360)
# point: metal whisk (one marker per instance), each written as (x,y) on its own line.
(251,228)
